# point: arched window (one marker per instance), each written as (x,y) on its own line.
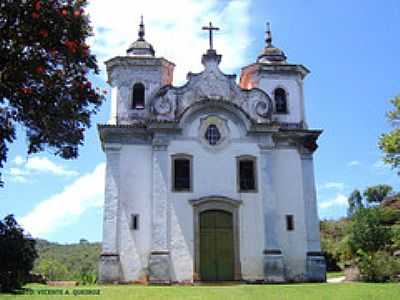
(138,96)
(280,101)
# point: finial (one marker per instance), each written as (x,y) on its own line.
(268,37)
(141,29)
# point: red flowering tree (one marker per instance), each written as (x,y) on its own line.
(44,68)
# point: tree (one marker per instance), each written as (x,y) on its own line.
(52,269)
(368,233)
(17,255)
(355,202)
(389,142)
(44,68)
(377,193)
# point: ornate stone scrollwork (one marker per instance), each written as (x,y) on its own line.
(262,109)
(164,105)
(260,104)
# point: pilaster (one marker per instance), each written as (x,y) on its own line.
(315,261)
(109,268)
(274,269)
(159,262)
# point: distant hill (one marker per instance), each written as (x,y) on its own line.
(67,261)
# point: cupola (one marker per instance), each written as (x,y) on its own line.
(141,47)
(271,54)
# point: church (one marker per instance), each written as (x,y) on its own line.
(212,180)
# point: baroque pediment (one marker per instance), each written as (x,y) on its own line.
(211,84)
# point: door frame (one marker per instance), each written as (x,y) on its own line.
(216,203)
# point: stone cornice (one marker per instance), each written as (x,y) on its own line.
(277,68)
(127,61)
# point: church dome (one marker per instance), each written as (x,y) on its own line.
(271,54)
(141,47)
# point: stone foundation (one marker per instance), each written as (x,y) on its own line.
(316,267)
(109,268)
(159,267)
(274,267)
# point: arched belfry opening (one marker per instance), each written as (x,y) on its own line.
(280,101)
(138,96)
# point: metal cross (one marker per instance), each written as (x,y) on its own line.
(210,28)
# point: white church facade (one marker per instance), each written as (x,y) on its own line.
(212,180)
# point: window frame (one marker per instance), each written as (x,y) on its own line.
(255,173)
(133,106)
(286,101)
(190,159)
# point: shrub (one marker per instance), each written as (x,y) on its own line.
(17,254)
(379,266)
(368,233)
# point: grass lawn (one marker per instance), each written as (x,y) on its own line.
(341,291)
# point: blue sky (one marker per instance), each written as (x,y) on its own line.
(351,47)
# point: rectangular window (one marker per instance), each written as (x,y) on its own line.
(289,222)
(247,176)
(181,174)
(135,222)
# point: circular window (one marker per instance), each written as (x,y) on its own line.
(212,134)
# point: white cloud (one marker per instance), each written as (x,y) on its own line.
(65,207)
(379,164)
(339,200)
(332,185)
(174,29)
(18,160)
(43,164)
(24,169)
(353,163)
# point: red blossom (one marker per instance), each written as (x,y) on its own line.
(39,69)
(44,33)
(35,15)
(64,12)
(26,90)
(77,13)
(38,5)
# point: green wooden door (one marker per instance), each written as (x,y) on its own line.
(216,246)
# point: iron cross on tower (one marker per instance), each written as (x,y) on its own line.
(210,29)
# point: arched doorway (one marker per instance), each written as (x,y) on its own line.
(216,238)
(216,246)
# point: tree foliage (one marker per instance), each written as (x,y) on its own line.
(44,68)
(355,202)
(76,261)
(334,243)
(17,255)
(368,233)
(377,193)
(390,142)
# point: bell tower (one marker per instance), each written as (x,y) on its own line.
(281,80)
(135,78)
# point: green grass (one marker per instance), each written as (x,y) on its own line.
(334,274)
(324,291)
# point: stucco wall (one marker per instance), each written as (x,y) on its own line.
(135,198)
(287,180)
(214,173)
(294,91)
